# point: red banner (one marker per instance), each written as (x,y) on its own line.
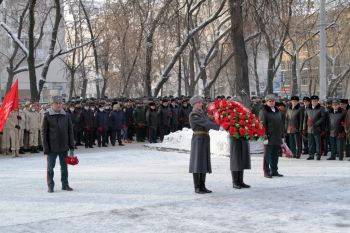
(9,104)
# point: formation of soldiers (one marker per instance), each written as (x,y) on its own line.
(314,127)
(99,122)
(311,127)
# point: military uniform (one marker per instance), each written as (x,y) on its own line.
(200,163)
(294,126)
(313,122)
(337,133)
(33,126)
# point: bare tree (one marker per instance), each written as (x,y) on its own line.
(164,76)
(273,20)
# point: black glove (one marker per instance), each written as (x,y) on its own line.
(18,127)
(19,117)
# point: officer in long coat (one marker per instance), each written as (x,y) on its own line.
(336,130)
(294,126)
(313,122)
(200,163)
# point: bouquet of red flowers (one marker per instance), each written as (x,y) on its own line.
(71,159)
(236,119)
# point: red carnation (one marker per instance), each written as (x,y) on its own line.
(242,131)
(242,117)
(232,122)
(309,122)
(223,103)
(233,130)
(225,125)
(233,115)
(210,112)
(241,122)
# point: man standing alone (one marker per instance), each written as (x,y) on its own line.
(58,138)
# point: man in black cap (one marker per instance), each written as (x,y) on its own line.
(294,125)
(344,104)
(306,104)
(313,122)
(337,130)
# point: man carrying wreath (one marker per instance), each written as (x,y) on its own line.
(200,163)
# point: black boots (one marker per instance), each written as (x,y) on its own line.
(202,183)
(199,183)
(34,150)
(50,189)
(196,182)
(240,179)
(67,188)
(237,180)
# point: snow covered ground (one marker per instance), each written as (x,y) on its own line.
(137,189)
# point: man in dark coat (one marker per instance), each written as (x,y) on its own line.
(140,121)
(200,163)
(87,122)
(101,123)
(344,104)
(152,122)
(129,119)
(313,122)
(306,104)
(184,113)
(347,131)
(294,126)
(165,118)
(336,130)
(58,138)
(272,120)
(174,125)
(117,123)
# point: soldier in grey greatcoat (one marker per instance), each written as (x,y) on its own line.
(200,163)
(239,160)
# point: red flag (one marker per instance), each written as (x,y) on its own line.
(9,104)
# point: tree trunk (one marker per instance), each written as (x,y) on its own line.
(270,76)
(294,80)
(34,94)
(53,41)
(72,84)
(191,86)
(239,50)
(11,75)
(257,83)
(94,49)
(149,55)
(179,77)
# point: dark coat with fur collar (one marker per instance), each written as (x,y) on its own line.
(273,123)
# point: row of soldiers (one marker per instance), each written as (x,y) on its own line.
(315,128)
(103,121)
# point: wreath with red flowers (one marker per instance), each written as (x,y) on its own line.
(236,119)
